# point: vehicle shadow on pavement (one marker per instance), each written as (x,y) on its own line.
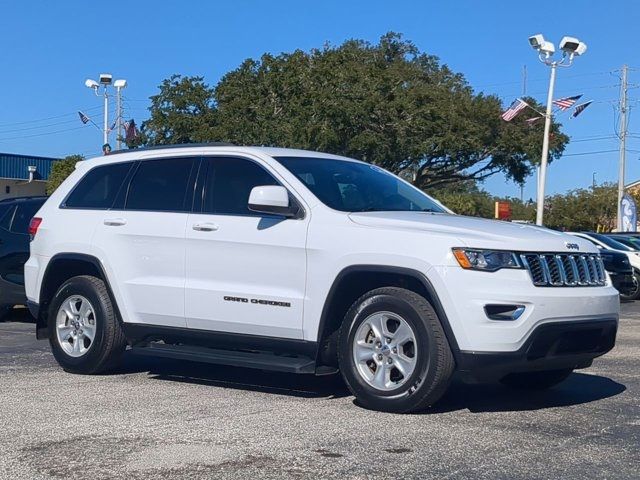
(19,315)
(579,388)
(305,386)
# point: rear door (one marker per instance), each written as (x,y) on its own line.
(245,271)
(142,239)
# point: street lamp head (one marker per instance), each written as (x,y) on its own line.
(91,83)
(120,83)
(105,79)
(572,46)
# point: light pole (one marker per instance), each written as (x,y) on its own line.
(571,47)
(105,80)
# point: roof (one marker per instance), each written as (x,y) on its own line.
(15,166)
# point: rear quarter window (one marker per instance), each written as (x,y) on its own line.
(99,187)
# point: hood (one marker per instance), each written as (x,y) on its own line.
(476,232)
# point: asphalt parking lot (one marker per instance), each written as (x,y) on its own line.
(157,418)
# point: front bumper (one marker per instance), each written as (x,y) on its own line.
(552,346)
(464,295)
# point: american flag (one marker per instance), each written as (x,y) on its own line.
(580,108)
(130,130)
(566,103)
(513,110)
(83,118)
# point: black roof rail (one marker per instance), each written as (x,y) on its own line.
(174,145)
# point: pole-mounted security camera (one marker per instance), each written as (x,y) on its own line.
(91,83)
(536,41)
(543,46)
(572,46)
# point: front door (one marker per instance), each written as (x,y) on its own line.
(245,271)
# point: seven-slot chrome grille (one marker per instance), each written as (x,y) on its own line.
(565,269)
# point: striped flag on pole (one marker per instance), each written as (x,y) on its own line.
(580,108)
(566,102)
(513,110)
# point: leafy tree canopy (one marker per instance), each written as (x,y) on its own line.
(61,170)
(385,103)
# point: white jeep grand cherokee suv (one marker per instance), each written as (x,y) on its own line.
(305,262)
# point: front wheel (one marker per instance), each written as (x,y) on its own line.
(84,331)
(393,353)
(633,293)
(536,380)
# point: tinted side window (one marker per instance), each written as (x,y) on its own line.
(99,187)
(25,212)
(7,217)
(229,183)
(4,208)
(161,185)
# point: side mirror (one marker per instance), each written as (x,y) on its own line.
(271,199)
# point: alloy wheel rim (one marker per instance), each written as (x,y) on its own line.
(385,351)
(76,325)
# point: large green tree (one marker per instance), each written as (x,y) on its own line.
(385,103)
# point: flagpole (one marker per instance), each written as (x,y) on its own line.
(545,146)
(119,117)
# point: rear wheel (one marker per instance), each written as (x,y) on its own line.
(536,380)
(393,353)
(84,331)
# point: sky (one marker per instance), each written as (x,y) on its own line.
(49,48)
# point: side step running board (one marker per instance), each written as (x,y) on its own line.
(262,361)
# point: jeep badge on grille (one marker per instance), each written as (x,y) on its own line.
(572,246)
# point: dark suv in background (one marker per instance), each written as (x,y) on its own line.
(15,215)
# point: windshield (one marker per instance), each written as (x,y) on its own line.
(358,187)
(631,242)
(611,243)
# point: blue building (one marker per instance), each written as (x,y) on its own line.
(23,175)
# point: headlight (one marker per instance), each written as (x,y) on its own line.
(486,260)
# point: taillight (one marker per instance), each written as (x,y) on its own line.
(33,226)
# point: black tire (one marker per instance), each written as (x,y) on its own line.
(536,380)
(109,341)
(4,311)
(433,367)
(635,294)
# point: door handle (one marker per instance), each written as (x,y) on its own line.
(115,222)
(205,227)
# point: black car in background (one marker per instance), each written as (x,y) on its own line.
(15,215)
(621,273)
(631,240)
